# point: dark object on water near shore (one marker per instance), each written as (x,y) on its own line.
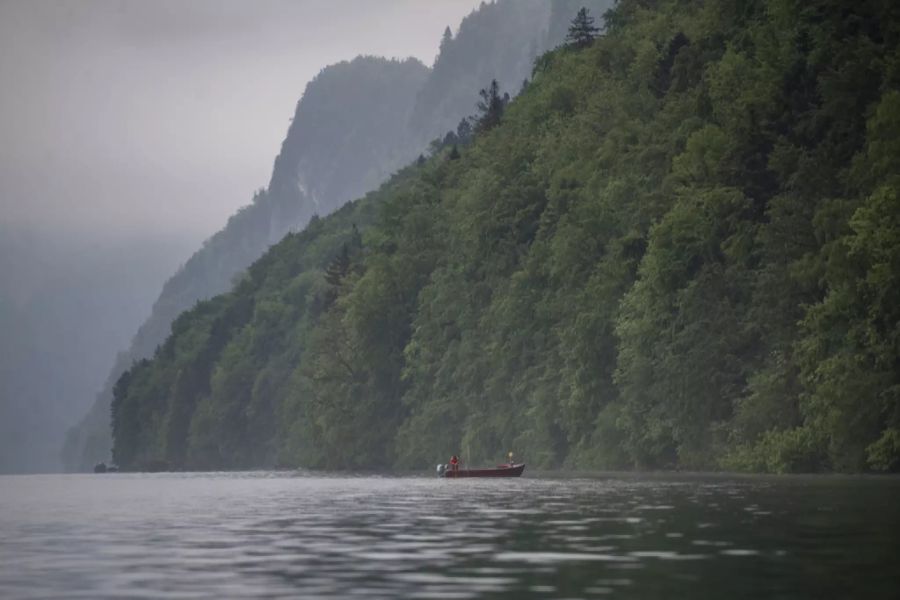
(499,471)
(102,467)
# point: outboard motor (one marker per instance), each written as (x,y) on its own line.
(441,469)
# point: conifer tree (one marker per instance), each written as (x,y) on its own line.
(464,131)
(450,139)
(490,107)
(447,38)
(582,31)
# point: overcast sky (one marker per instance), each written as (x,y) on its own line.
(121,118)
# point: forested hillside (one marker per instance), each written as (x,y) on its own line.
(346,122)
(357,122)
(680,247)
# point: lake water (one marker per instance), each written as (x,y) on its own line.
(233,535)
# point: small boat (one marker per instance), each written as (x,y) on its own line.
(499,471)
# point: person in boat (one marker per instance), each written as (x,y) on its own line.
(454,463)
(510,457)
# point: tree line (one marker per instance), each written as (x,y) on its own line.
(678,247)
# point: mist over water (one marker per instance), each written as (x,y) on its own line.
(211,535)
(67,305)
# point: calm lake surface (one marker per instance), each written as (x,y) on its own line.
(228,535)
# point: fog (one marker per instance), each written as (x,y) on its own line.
(131,131)
(66,307)
(166,115)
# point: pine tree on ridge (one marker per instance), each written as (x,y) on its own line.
(582,30)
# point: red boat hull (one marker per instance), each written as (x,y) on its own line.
(513,471)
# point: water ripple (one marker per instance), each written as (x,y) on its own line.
(271,535)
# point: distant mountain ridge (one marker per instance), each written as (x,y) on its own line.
(356,123)
(322,127)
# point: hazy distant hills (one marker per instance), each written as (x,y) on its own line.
(331,123)
(357,122)
(66,303)
(499,40)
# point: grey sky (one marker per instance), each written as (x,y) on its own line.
(125,117)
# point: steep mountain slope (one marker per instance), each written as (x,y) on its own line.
(353,127)
(342,141)
(680,247)
(499,41)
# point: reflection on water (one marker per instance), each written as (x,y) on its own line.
(278,535)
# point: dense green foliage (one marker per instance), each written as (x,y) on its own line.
(347,135)
(357,123)
(679,248)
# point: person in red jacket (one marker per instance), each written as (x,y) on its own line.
(454,463)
